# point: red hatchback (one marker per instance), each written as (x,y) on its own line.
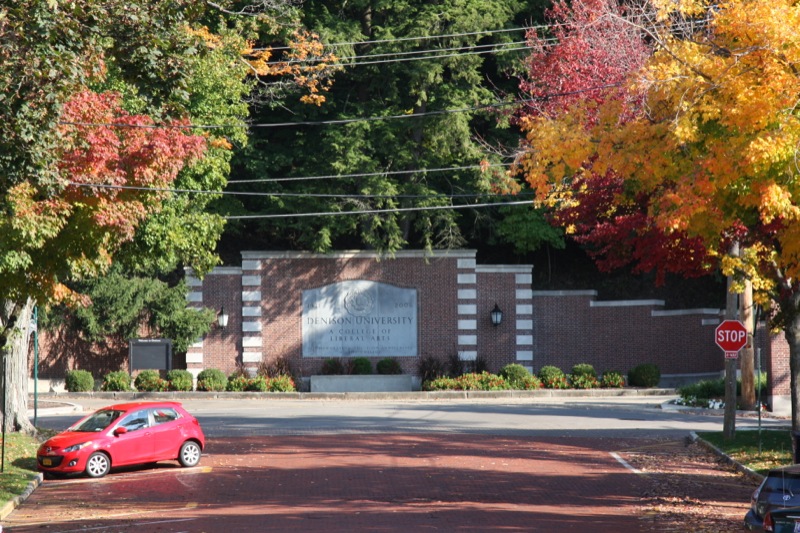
(122,435)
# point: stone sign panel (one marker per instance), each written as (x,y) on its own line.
(359,318)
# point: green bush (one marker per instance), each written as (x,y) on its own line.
(332,367)
(179,380)
(257,384)
(283,383)
(514,374)
(583,381)
(583,369)
(389,366)
(530,382)
(79,381)
(361,366)
(644,375)
(119,381)
(211,380)
(706,389)
(612,380)
(471,381)
(150,381)
(553,377)
(237,383)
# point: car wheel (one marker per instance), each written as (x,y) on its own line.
(98,465)
(189,454)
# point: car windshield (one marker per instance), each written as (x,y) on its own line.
(98,421)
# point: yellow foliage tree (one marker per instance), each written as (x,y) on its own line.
(712,141)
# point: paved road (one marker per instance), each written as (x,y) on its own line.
(602,417)
(300,465)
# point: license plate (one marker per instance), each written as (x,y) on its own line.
(47,462)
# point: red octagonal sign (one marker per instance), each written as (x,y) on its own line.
(731,336)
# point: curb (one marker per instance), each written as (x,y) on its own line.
(751,474)
(16,501)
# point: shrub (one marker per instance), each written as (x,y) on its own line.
(553,378)
(612,380)
(332,367)
(644,375)
(257,384)
(455,365)
(150,381)
(706,389)
(179,380)
(389,366)
(275,368)
(441,383)
(480,365)
(583,381)
(79,381)
(361,366)
(283,383)
(514,374)
(211,380)
(470,381)
(237,383)
(119,381)
(584,369)
(530,382)
(430,368)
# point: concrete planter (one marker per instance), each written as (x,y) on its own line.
(364,383)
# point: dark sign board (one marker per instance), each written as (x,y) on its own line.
(146,354)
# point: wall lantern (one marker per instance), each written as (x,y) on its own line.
(497,315)
(222,318)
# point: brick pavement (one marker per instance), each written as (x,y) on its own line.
(361,482)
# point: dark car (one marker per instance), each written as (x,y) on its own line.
(779,490)
(783,520)
(123,435)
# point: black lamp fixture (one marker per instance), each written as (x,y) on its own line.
(222,318)
(497,315)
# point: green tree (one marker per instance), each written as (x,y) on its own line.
(95,96)
(390,150)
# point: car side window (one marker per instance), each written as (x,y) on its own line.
(165,414)
(135,421)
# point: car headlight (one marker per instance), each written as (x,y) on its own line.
(76,447)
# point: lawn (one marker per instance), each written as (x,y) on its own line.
(19,467)
(775,448)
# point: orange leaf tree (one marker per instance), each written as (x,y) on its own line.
(706,131)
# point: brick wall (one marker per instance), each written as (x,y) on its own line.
(263,299)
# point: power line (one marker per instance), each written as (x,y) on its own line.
(343,121)
(288,194)
(377,211)
(496,47)
(368,174)
(406,39)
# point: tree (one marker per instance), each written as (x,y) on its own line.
(705,133)
(82,168)
(390,151)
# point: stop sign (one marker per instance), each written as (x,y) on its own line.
(731,336)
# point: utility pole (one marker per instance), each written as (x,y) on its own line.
(731,309)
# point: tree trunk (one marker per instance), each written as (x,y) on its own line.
(792,333)
(15,334)
(747,355)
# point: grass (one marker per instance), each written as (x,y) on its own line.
(775,449)
(19,467)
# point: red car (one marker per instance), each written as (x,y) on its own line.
(122,435)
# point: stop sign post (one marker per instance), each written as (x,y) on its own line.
(731,336)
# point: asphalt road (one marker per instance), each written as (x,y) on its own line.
(624,417)
(382,465)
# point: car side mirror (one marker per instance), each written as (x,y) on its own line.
(120,431)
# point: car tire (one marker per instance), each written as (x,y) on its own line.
(190,453)
(97,465)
